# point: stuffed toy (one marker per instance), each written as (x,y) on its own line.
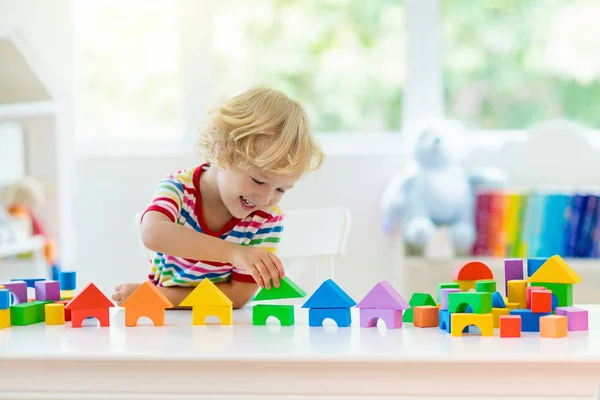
(436,190)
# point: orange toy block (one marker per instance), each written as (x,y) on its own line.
(90,302)
(510,326)
(426,316)
(553,326)
(541,301)
(472,271)
(146,301)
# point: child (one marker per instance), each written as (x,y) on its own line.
(220,220)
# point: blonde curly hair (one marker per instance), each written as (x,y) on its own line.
(263,128)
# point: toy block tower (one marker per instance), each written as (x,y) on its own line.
(207,299)
(146,301)
(284,313)
(557,276)
(417,300)
(471,308)
(329,301)
(90,302)
(385,303)
(468,274)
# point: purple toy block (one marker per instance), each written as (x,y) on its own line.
(444,297)
(47,291)
(384,296)
(369,317)
(577,318)
(18,289)
(513,270)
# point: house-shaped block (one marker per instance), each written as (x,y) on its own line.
(90,302)
(146,301)
(208,300)
(329,301)
(283,312)
(557,276)
(382,302)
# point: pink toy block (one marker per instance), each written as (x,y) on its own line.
(444,297)
(18,289)
(577,317)
(369,317)
(384,296)
(47,290)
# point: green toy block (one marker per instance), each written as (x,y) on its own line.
(284,313)
(417,299)
(286,290)
(28,313)
(563,292)
(485,286)
(481,303)
(445,285)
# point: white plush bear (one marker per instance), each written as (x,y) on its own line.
(436,190)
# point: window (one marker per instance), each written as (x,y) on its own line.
(511,64)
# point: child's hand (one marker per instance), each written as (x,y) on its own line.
(263,265)
(122,292)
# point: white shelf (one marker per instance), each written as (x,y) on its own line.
(20,110)
(32,244)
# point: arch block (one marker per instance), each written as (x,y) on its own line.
(341,316)
(481,303)
(485,323)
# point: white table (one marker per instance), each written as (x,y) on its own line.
(180,361)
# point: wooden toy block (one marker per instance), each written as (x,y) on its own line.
(47,290)
(55,313)
(90,302)
(27,313)
(341,316)
(498,300)
(30,282)
(485,286)
(417,299)
(553,326)
(510,326)
(513,270)
(530,322)
(67,312)
(146,301)
(512,306)
(577,318)
(101,314)
(284,313)
(391,318)
(206,294)
(68,280)
(4,299)
(445,285)
(555,270)
(533,264)
(444,294)
(426,316)
(528,291)
(465,286)
(444,320)
(472,271)
(223,313)
(497,313)
(287,290)
(541,301)
(516,292)
(18,290)
(481,303)
(383,296)
(459,321)
(4,318)
(329,295)
(67,294)
(562,291)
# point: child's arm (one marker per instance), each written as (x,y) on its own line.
(238,292)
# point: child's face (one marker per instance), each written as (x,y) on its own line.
(245,191)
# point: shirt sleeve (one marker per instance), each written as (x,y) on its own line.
(168,198)
(266,237)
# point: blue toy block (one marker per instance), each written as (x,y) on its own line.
(534,263)
(4,299)
(29,281)
(530,321)
(498,300)
(554,302)
(341,316)
(444,321)
(329,295)
(55,272)
(68,280)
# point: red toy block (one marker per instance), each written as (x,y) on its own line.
(528,291)
(510,326)
(541,301)
(472,271)
(90,302)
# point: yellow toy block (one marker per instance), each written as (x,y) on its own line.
(555,270)
(497,312)
(206,294)
(4,318)
(224,313)
(466,285)
(517,292)
(55,313)
(67,294)
(511,306)
(459,321)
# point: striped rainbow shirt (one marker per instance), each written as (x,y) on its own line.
(178,197)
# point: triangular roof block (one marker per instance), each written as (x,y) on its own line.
(147,295)
(555,270)
(286,290)
(90,297)
(383,296)
(329,295)
(206,294)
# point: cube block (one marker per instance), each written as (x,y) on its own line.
(553,326)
